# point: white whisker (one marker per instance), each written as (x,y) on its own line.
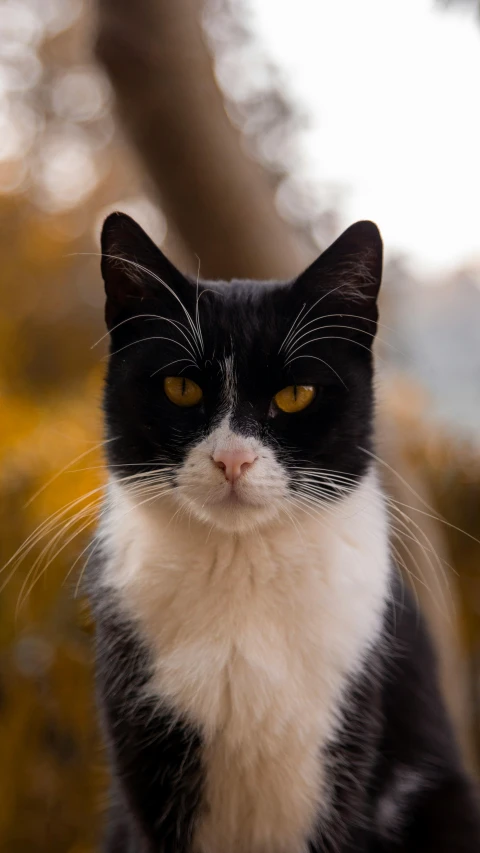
(292,328)
(144,269)
(153,338)
(324,296)
(433,514)
(176,361)
(328,338)
(316,358)
(65,468)
(180,326)
(149,272)
(291,351)
(320,318)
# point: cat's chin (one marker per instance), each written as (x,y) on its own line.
(233,514)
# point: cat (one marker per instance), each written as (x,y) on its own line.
(265,683)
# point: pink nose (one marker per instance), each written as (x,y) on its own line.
(234,463)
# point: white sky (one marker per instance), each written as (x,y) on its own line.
(393,91)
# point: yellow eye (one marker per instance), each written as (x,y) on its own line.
(294,398)
(182,391)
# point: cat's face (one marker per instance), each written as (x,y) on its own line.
(239,402)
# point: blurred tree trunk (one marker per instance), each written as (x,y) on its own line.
(220,201)
(223,206)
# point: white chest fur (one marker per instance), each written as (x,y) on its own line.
(253,640)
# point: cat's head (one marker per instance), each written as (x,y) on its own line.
(240,402)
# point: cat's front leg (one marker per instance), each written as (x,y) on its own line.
(155,757)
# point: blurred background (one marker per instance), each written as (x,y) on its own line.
(244,135)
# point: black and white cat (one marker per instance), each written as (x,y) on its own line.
(265,684)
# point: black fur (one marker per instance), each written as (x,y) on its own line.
(147,748)
(395,723)
(395,776)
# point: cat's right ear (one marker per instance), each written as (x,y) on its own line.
(133,269)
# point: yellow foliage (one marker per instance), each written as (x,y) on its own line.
(52,778)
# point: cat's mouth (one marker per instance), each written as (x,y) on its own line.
(233,497)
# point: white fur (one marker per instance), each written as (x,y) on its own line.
(203,490)
(227,367)
(254,633)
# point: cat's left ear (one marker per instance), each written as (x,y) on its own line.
(346,277)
